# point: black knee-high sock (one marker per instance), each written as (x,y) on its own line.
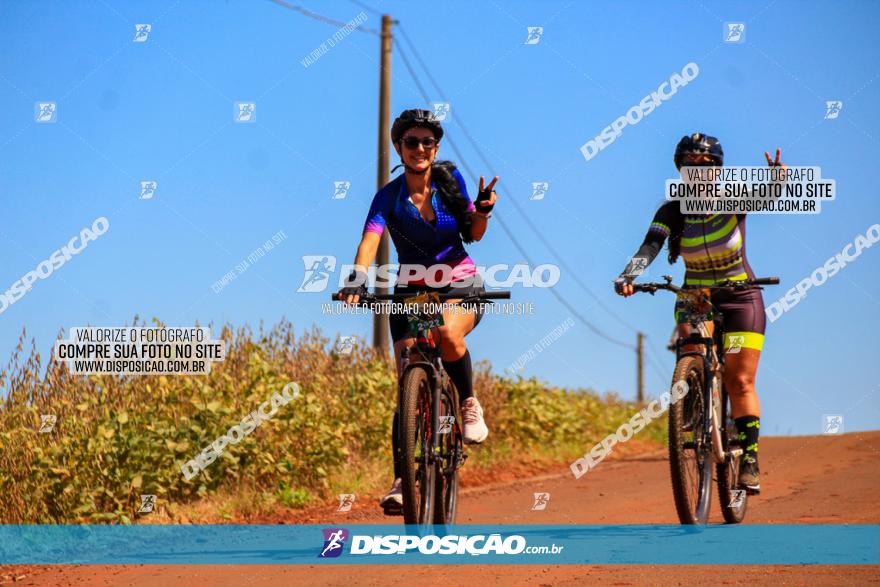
(462,375)
(748,428)
(395,445)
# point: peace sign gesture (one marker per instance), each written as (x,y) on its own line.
(491,185)
(777,162)
(486,197)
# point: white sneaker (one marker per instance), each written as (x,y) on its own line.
(475,430)
(394,498)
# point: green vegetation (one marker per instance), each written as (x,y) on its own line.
(119,437)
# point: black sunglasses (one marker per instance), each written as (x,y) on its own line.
(696,160)
(414,142)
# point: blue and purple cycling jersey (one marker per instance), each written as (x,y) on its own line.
(419,242)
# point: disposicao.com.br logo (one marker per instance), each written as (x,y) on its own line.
(334,542)
(430,544)
(319,271)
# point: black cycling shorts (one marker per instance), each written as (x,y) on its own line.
(744,319)
(400,325)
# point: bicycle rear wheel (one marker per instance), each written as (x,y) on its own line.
(449,460)
(734,501)
(690,447)
(417,467)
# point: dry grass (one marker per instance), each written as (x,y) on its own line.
(118,437)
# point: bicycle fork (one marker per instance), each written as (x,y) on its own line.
(436,424)
(717,411)
(715,408)
(712,408)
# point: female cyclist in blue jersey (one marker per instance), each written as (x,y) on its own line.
(429,217)
(714,250)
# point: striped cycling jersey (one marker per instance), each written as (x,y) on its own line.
(713,246)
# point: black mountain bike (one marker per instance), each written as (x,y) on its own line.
(701,431)
(430,441)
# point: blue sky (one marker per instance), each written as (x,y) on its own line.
(162,110)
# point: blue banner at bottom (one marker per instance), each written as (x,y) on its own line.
(456,544)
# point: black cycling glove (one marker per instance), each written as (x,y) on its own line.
(355,284)
(484,196)
(620,282)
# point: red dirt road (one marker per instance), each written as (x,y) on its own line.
(807,479)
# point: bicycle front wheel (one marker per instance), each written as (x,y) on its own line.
(690,445)
(449,459)
(417,466)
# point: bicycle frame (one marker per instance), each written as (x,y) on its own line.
(713,373)
(712,354)
(429,358)
(429,354)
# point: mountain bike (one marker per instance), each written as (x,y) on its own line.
(430,432)
(701,430)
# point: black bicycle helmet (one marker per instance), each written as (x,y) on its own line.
(410,118)
(698,143)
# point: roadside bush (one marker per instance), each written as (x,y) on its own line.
(117,437)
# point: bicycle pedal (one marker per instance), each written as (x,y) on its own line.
(392,511)
(750,490)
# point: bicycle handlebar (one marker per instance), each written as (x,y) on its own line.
(766,281)
(400,297)
(733,285)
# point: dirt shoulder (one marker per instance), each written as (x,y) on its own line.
(809,480)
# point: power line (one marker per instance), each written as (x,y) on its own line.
(422,64)
(412,74)
(322,18)
(519,209)
(504,226)
(562,300)
(366,7)
(531,225)
(500,220)
(657,369)
(665,374)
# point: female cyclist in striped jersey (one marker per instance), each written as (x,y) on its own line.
(714,250)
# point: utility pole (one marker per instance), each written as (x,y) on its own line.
(380,321)
(640,367)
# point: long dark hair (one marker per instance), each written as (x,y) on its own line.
(455,201)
